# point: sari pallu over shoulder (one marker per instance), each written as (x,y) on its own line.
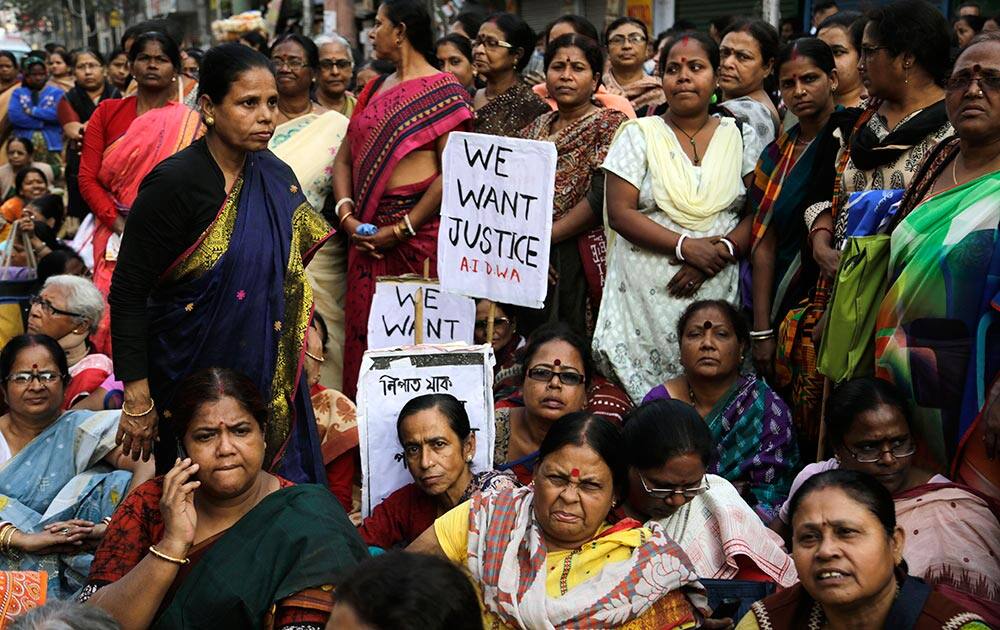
(239,298)
(295,539)
(387,126)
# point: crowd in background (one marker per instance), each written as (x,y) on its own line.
(762,391)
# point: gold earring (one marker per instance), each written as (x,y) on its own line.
(209,121)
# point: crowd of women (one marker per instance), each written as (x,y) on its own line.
(763,390)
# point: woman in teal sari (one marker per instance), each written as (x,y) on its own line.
(218,542)
(60,475)
(936,336)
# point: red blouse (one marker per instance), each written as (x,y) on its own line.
(400,519)
(109,122)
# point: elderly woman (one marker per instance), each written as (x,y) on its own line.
(937,324)
(545,555)
(336,69)
(670,449)
(953,531)
(68,309)
(661,209)
(582,131)
(556,377)
(501,50)
(438,447)
(747,53)
(177,552)
(848,549)
(842,32)
(750,424)
(60,473)
(627,39)
(306,138)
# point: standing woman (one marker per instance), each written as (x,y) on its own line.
(32,113)
(336,69)
(842,32)
(794,172)
(9,80)
(118,69)
(307,139)
(117,151)
(501,51)
(628,40)
(747,53)
(60,66)
(454,55)
(212,272)
(675,185)
(582,131)
(74,111)
(388,169)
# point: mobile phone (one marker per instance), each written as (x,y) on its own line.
(726,608)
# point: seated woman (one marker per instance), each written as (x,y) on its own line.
(556,377)
(438,447)
(404,591)
(755,447)
(20,155)
(506,343)
(544,555)
(187,545)
(30,184)
(953,532)
(58,472)
(68,309)
(669,449)
(848,550)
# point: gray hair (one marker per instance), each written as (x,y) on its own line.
(334,38)
(66,615)
(81,297)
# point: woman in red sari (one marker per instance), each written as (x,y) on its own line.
(125,139)
(387,171)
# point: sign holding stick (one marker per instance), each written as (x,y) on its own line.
(390,379)
(396,309)
(496,218)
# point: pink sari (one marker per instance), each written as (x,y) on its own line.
(384,129)
(150,139)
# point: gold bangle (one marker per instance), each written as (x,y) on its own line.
(139,415)
(398,231)
(6,535)
(162,556)
(346,215)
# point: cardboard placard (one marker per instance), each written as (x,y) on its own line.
(392,321)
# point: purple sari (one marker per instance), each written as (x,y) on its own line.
(238,298)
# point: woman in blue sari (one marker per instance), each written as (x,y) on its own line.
(61,475)
(212,272)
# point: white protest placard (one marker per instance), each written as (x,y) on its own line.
(389,379)
(392,321)
(496,218)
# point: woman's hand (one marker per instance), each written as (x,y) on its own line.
(763,357)
(553,276)
(137,434)
(180,520)
(826,256)
(61,537)
(374,245)
(686,282)
(707,254)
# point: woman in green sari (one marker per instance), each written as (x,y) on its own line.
(936,336)
(218,542)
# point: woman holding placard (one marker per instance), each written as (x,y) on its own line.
(675,185)
(390,162)
(438,447)
(582,131)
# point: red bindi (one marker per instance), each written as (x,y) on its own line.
(684,59)
(557,363)
(707,325)
(34,366)
(575,473)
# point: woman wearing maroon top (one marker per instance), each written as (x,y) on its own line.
(438,446)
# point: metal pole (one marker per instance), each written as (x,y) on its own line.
(307,15)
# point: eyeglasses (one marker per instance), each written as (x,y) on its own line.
(667,493)
(292,64)
(25,378)
(330,64)
(497,323)
(490,42)
(868,51)
(899,449)
(544,375)
(960,81)
(634,38)
(37,300)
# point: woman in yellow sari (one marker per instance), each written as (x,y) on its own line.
(308,141)
(544,556)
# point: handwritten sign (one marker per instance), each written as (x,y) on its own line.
(389,379)
(392,322)
(496,218)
